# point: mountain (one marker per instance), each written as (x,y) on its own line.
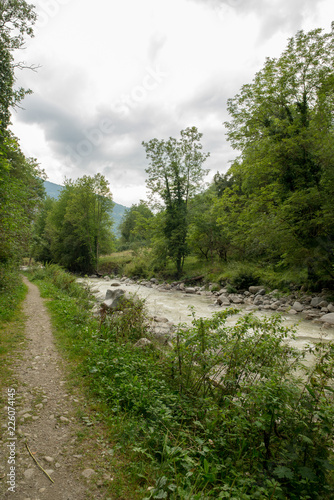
(53,191)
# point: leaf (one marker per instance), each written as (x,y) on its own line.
(283,472)
(305,439)
(307,473)
(311,391)
(160,494)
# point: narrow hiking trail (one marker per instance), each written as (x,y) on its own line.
(46,421)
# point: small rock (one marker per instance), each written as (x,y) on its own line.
(143,342)
(223,300)
(106,278)
(115,283)
(257,300)
(255,289)
(330,308)
(190,290)
(28,474)
(160,319)
(292,311)
(323,303)
(49,459)
(297,306)
(87,473)
(237,300)
(64,419)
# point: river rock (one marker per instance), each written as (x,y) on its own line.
(297,306)
(257,300)
(316,301)
(113,298)
(143,342)
(255,289)
(322,304)
(190,290)
(222,300)
(330,308)
(115,283)
(160,319)
(106,278)
(328,318)
(236,300)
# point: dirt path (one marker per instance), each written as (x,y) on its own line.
(46,420)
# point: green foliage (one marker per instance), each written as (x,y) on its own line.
(76,228)
(223,413)
(21,192)
(135,226)
(174,175)
(16,20)
(12,291)
(277,205)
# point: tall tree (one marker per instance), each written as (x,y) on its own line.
(175,174)
(20,178)
(78,225)
(16,23)
(283,127)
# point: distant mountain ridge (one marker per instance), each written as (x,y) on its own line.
(53,190)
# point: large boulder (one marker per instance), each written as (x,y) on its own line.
(328,318)
(297,306)
(316,301)
(113,298)
(222,300)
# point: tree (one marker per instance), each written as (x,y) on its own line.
(134,226)
(206,237)
(21,190)
(78,226)
(16,22)
(283,127)
(175,175)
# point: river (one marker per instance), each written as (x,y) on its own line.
(174,305)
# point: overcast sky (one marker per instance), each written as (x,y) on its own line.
(115,73)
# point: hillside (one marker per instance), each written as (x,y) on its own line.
(53,191)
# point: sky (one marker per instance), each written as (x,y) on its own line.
(115,73)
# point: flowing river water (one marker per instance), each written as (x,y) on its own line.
(174,305)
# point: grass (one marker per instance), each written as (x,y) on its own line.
(239,275)
(12,324)
(260,433)
(115,262)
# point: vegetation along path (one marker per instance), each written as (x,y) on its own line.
(46,422)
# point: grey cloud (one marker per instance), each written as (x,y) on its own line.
(279,15)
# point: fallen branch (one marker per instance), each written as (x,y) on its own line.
(39,465)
